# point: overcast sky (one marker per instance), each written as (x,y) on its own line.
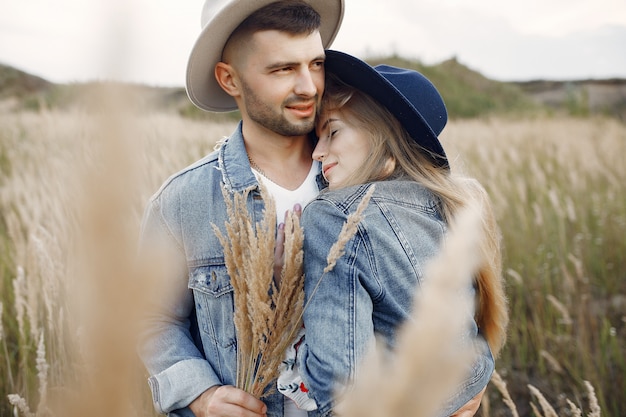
(148,41)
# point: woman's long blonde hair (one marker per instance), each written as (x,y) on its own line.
(394,155)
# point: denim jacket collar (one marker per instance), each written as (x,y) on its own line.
(235,167)
(234,164)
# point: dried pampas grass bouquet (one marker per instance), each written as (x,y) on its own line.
(268,309)
(267,313)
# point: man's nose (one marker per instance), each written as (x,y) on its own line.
(306,85)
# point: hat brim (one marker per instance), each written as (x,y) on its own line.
(364,77)
(202,88)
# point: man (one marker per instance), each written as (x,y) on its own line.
(265,58)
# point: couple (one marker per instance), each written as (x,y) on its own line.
(267,59)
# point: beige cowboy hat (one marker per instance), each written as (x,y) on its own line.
(219,19)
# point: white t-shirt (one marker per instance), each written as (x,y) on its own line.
(285,200)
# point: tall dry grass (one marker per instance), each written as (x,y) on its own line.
(73,188)
(559,189)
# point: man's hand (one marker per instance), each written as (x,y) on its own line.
(471,407)
(227,401)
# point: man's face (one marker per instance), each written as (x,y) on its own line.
(282,81)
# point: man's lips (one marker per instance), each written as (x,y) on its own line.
(306,109)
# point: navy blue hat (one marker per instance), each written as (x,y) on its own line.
(407,94)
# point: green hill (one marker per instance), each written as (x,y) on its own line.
(467,93)
(19,84)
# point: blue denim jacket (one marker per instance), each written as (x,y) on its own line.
(370,289)
(184,357)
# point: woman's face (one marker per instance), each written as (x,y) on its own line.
(342,148)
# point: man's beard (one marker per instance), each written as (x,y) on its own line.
(264,115)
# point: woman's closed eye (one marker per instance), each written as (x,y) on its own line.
(334,126)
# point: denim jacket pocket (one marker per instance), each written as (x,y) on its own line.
(213,298)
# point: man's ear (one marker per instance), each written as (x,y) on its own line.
(226,78)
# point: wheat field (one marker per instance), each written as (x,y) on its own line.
(74,184)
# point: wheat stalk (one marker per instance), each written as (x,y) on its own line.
(553,363)
(576,412)
(348,230)
(20,403)
(19,282)
(290,297)
(506,396)
(536,410)
(42,372)
(566,318)
(545,405)
(264,311)
(593,401)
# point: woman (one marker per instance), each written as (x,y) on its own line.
(380,125)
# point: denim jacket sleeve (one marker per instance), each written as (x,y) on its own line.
(178,370)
